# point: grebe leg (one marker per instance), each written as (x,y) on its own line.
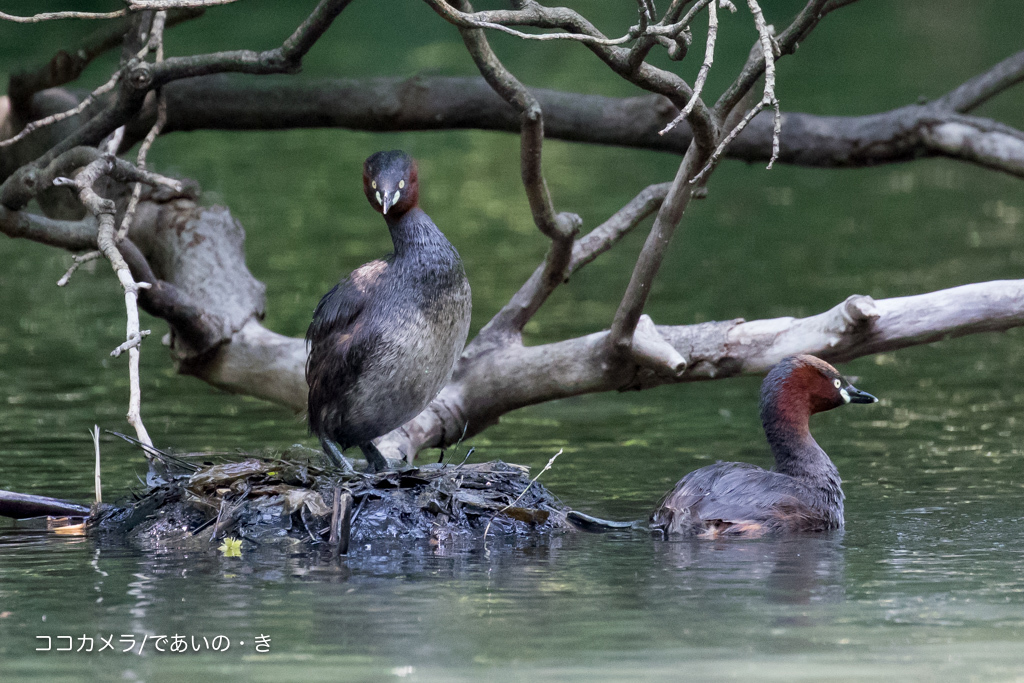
(335,456)
(375,462)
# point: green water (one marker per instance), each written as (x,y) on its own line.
(927,582)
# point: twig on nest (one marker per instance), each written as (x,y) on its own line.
(520,496)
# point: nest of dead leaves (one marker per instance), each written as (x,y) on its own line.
(292,498)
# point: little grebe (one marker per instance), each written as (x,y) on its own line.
(384,341)
(802,492)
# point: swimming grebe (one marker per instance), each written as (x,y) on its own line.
(802,492)
(384,341)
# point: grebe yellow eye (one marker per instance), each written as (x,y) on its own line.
(401,184)
(373,184)
(837,383)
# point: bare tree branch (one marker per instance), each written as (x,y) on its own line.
(559,228)
(284,59)
(67,65)
(156,42)
(104,210)
(984,87)
(69,235)
(639,288)
(133,6)
(466,20)
(52,16)
(705,67)
(618,59)
(978,140)
(433,103)
(515,376)
(786,42)
(603,237)
(534,292)
(23,186)
(141,77)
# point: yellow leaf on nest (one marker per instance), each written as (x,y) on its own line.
(231,547)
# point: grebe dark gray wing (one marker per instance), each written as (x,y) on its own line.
(734,498)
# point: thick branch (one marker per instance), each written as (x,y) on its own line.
(669,215)
(24,506)
(434,103)
(977,140)
(487,387)
(284,59)
(70,235)
(29,182)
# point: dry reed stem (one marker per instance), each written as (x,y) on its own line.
(95,432)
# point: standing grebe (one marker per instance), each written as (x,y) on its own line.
(384,341)
(802,493)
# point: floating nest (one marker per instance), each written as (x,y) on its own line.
(287,499)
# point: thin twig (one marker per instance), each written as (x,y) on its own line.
(134,341)
(471,451)
(455,448)
(520,496)
(144,5)
(466,20)
(51,16)
(156,41)
(54,118)
(705,67)
(768,50)
(982,87)
(133,6)
(769,47)
(678,26)
(716,156)
(77,261)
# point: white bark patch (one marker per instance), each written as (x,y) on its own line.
(993,148)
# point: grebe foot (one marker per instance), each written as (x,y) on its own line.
(335,457)
(375,462)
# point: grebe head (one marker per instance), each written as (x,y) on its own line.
(800,386)
(391,182)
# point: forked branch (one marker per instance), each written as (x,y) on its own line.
(560,228)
